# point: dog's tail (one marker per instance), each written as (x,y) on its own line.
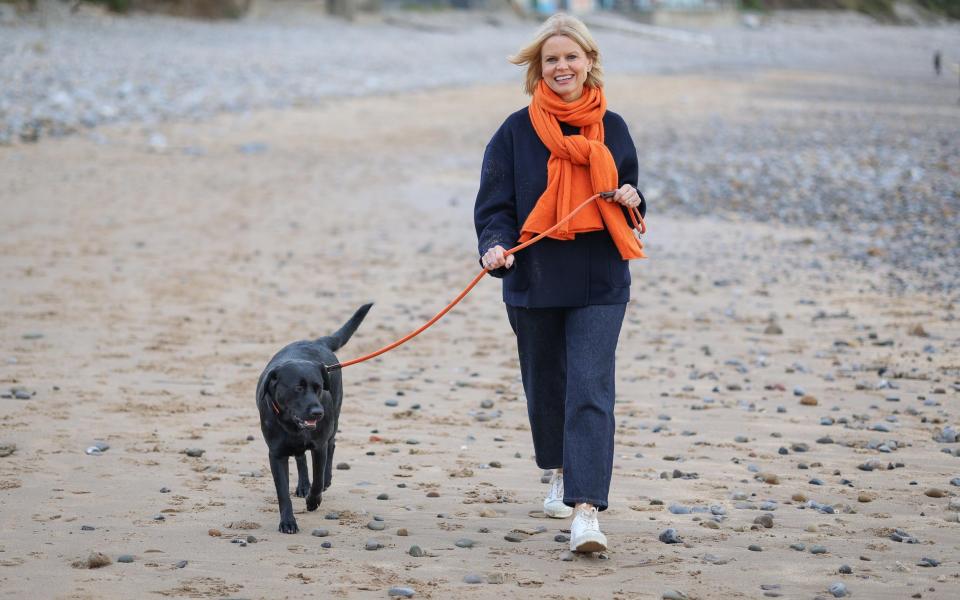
(342,336)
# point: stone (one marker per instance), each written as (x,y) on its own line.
(839,590)
(343,466)
(866,496)
(383,496)
(319,533)
(845,570)
(809,401)
(373,545)
(765,520)
(125,558)
(376,525)
(935,493)
(670,536)
(561,537)
(773,329)
(416,551)
(754,548)
(817,549)
(473,578)
(194,452)
(674,595)
(95,560)
(400,592)
(496,578)
(464,543)
(402,532)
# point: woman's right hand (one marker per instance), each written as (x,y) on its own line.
(496,257)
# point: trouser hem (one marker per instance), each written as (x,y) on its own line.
(573,502)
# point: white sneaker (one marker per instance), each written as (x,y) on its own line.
(553,505)
(585,535)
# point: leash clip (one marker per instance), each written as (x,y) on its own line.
(609,194)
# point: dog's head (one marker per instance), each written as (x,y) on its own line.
(298,392)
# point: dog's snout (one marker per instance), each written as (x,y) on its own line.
(316,412)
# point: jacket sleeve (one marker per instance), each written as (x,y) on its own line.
(628,169)
(495,211)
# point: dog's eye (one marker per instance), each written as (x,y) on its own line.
(299,388)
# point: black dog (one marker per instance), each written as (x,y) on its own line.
(299,401)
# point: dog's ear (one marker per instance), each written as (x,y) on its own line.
(268,391)
(325,375)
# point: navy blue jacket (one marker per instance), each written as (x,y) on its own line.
(551,273)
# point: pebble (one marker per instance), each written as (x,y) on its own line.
(373,545)
(845,570)
(817,549)
(464,543)
(674,595)
(343,466)
(400,592)
(866,497)
(670,536)
(928,562)
(319,533)
(514,537)
(194,452)
(765,520)
(473,578)
(935,493)
(326,545)
(87,528)
(798,547)
(181,564)
(376,525)
(402,532)
(391,402)
(331,516)
(416,551)
(125,558)
(754,548)
(839,590)
(809,401)
(383,496)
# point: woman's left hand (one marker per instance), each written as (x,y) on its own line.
(627,196)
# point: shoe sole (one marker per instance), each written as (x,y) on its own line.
(594,545)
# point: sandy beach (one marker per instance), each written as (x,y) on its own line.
(768,374)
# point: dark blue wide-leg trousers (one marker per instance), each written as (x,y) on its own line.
(568,372)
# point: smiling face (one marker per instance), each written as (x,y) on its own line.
(564,66)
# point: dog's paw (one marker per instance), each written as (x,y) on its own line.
(313,502)
(289,525)
(303,488)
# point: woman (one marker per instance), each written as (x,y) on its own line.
(567,294)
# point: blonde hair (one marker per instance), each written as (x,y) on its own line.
(567,26)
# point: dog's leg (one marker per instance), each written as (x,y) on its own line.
(280,467)
(328,473)
(319,466)
(303,476)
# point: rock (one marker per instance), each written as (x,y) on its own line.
(383,496)
(839,590)
(464,543)
(799,497)
(343,466)
(765,520)
(473,578)
(928,562)
(326,545)
(319,533)
(125,558)
(496,578)
(514,537)
(433,494)
(674,595)
(808,401)
(845,570)
(415,551)
(488,513)
(486,404)
(400,592)
(670,536)
(798,547)
(181,564)
(391,402)
(773,329)
(817,549)
(376,525)
(373,545)
(95,560)
(7,449)
(332,516)
(769,478)
(754,548)
(918,331)
(935,493)
(561,537)
(866,497)
(402,532)
(194,452)
(87,528)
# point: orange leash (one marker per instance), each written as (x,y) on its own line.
(635,217)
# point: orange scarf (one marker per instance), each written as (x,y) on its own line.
(579,167)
